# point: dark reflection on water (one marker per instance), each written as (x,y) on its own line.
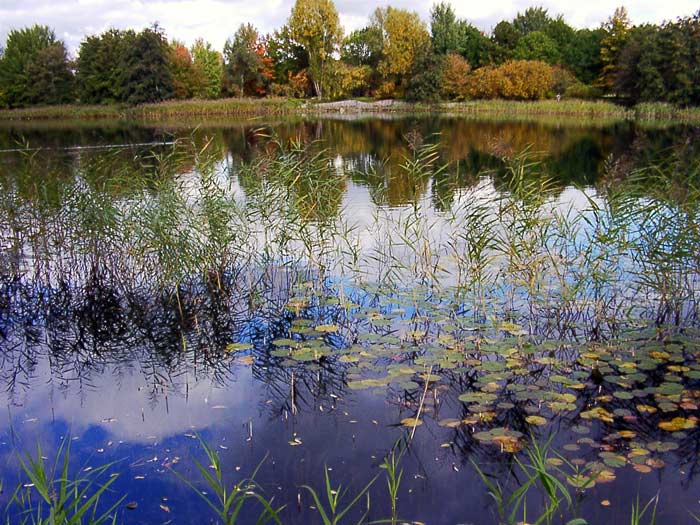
(571,154)
(132,370)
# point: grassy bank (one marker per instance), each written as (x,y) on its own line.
(234,107)
(229,107)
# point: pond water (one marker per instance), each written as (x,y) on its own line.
(310,294)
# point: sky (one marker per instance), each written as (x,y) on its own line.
(216,20)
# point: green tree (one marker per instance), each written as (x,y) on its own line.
(505,38)
(51,77)
(98,67)
(245,69)
(533,19)
(145,72)
(287,56)
(452,35)
(582,55)
(617,30)
(424,84)
(362,47)
(208,66)
(637,74)
(444,29)
(474,45)
(537,46)
(314,24)
(21,50)
(661,63)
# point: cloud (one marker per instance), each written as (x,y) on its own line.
(216,20)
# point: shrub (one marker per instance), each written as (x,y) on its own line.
(515,80)
(582,91)
(454,80)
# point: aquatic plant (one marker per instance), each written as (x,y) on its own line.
(334,509)
(228,500)
(55,496)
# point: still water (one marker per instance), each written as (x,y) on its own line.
(297,293)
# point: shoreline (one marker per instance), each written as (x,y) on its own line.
(258,108)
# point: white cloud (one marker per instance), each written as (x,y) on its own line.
(216,20)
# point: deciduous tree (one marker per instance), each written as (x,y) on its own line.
(404,36)
(314,24)
(616,34)
(208,66)
(247,68)
(23,57)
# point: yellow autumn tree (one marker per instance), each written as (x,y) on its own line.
(403,35)
(315,26)
(617,30)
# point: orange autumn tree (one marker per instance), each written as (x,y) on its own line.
(259,86)
(182,70)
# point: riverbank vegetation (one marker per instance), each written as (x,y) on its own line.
(657,113)
(397,55)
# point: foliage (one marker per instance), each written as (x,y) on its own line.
(124,66)
(314,24)
(343,80)
(536,45)
(454,82)
(475,46)
(425,82)
(51,77)
(404,36)
(287,56)
(506,36)
(533,19)
(28,52)
(182,70)
(660,63)
(98,75)
(515,80)
(452,35)
(582,54)
(390,57)
(247,68)
(444,28)
(611,45)
(144,69)
(362,47)
(208,68)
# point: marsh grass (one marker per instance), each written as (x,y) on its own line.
(336,505)
(55,496)
(535,473)
(229,498)
(570,110)
(639,512)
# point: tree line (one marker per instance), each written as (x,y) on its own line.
(397,55)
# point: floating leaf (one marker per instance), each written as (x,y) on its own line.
(536,420)
(678,423)
(326,328)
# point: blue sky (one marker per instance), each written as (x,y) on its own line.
(215,20)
